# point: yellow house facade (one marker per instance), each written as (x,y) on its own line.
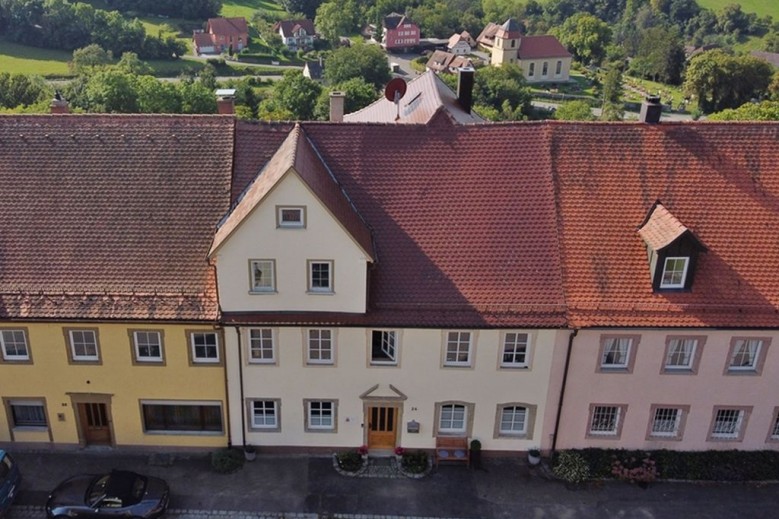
(128,384)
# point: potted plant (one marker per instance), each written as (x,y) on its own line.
(363,451)
(476,454)
(249,452)
(399,453)
(534,456)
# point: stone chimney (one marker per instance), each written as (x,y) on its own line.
(58,104)
(337,106)
(465,79)
(651,109)
(225,101)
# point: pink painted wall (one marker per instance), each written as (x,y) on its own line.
(646,385)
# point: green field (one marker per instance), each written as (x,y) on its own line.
(21,59)
(246,8)
(761,7)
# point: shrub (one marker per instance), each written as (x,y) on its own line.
(349,461)
(634,470)
(414,462)
(571,467)
(225,461)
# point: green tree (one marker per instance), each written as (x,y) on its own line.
(765,111)
(361,60)
(22,90)
(157,97)
(721,81)
(357,92)
(495,86)
(336,18)
(577,110)
(296,94)
(660,55)
(89,58)
(129,62)
(112,90)
(585,36)
(612,108)
(196,98)
(306,7)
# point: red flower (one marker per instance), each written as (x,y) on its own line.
(363,450)
(399,450)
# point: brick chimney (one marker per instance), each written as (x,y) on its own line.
(465,79)
(651,109)
(58,104)
(225,101)
(337,106)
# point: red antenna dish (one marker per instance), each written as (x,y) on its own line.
(395,89)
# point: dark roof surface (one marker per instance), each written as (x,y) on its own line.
(545,46)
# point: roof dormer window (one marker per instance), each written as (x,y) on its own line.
(672,250)
(674,272)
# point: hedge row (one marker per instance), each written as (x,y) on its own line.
(730,465)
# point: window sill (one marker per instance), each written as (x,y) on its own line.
(319,431)
(523,367)
(320,292)
(263,292)
(384,364)
(30,428)
(16,361)
(742,372)
(265,430)
(457,366)
(679,371)
(263,363)
(727,440)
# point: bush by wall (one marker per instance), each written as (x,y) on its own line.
(730,465)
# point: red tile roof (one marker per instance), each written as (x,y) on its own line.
(111,216)
(290,27)
(538,47)
(228,26)
(661,228)
(720,180)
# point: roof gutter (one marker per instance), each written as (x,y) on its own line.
(573,334)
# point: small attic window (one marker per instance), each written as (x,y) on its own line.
(672,250)
(674,272)
(291,217)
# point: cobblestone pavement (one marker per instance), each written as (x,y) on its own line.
(301,487)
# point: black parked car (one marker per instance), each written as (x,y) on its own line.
(120,493)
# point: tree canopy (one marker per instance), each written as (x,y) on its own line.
(361,60)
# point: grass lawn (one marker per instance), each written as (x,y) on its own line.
(246,8)
(21,59)
(761,7)
(668,94)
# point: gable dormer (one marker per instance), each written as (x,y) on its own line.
(293,242)
(672,250)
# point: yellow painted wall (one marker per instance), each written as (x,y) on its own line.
(52,377)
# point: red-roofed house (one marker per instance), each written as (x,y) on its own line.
(399,32)
(542,58)
(442,61)
(296,34)
(222,35)
(458,44)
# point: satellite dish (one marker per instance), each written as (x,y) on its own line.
(394,91)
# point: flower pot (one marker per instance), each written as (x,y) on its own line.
(250,454)
(533,460)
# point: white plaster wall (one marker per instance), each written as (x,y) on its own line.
(551,76)
(646,386)
(323,238)
(419,376)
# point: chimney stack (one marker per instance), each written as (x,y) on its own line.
(651,109)
(58,104)
(337,106)
(465,81)
(225,101)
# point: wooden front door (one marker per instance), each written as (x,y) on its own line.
(94,423)
(382,427)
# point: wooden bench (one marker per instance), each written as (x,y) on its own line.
(451,448)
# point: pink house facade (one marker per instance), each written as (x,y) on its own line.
(399,32)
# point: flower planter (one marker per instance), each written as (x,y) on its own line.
(250,454)
(533,460)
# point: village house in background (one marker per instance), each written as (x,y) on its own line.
(296,34)
(541,58)
(460,44)
(399,33)
(222,35)
(445,62)
(314,70)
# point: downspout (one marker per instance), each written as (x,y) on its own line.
(240,382)
(562,389)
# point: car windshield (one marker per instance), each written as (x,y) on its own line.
(96,492)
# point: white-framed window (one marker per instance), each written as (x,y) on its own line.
(261,346)
(263,275)
(666,422)
(320,276)
(83,345)
(205,347)
(453,419)
(744,354)
(320,415)
(14,345)
(147,345)
(515,346)
(727,424)
(265,414)
(605,420)
(291,216)
(674,272)
(681,354)
(531,70)
(616,352)
(458,349)
(27,413)
(513,421)
(320,346)
(384,347)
